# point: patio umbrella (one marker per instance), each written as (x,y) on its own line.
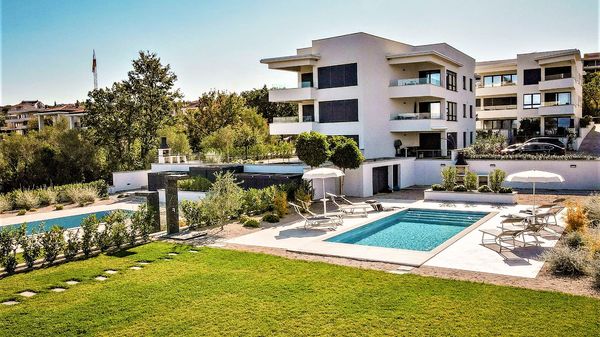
(322,173)
(535,176)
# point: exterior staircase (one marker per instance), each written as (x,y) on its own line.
(591,143)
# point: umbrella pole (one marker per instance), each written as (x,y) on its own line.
(534,203)
(324,199)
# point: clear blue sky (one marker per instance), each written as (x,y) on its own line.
(47,45)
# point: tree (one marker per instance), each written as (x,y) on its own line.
(177,139)
(224,199)
(591,94)
(246,137)
(312,148)
(259,99)
(222,141)
(345,155)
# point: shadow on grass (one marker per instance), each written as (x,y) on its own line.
(121,253)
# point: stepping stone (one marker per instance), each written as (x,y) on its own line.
(27,293)
(111,272)
(192,251)
(10,303)
(143,263)
(172,254)
(72,282)
(135,268)
(167,259)
(101,278)
(58,289)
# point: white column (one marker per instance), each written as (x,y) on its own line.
(40,122)
(444,143)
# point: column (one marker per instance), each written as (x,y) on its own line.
(40,122)
(172,204)
(444,143)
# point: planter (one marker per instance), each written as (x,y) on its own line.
(477,197)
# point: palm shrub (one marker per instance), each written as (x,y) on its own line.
(52,242)
(72,245)
(449,177)
(495,179)
(89,226)
(471,180)
(5,203)
(26,199)
(30,245)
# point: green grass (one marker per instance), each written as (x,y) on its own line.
(221,292)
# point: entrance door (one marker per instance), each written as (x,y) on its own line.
(380,179)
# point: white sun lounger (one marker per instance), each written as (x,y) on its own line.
(360,209)
(318,221)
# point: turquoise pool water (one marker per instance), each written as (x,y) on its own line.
(70,221)
(413,229)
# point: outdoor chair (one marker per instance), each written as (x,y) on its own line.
(361,209)
(348,201)
(503,234)
(306,208)
(318,221)
(546,211)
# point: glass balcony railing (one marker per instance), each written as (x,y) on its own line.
(556,103)
(292,119)
(306,84)
(557,76)
(415,81)
(497,107)
(308,118)
(494,85)
(412,116)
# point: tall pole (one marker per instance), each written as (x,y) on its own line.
(95,71)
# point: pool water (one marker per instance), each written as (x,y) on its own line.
(413,229)
(66,222)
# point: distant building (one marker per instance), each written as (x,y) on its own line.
(73,113)
(591,62)
(19,116)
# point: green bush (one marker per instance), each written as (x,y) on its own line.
(143,221)
(471,180)
(8,248)
(569,156)
(437,187)
(252,223)
(52,242)
(72,245)
(47,196)
(194,184)
(449,177)
(81,195)
(243,218)
(89,226)
(563,260)
(117,229)
(596,274)
(271,218)
(21,212)
(484,189)
(280,203)
(59,207)
(5,203)
(460,188)
(30,245)
(26,199)
(486,144)
(574,240)
(194,213)
(495,179)
(505,190)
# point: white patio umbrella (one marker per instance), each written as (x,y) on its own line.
(322,173)
(535,176)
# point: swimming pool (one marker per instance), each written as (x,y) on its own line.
(70,221)
(413,229)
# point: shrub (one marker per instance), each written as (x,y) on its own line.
(10,263)
(595,272)
(591,240)
(30,245)
(484,189)
(193,212)
(520,156)
(271,218)
(8,248)
(117,229)
(591,207)
(81,195)
(194,184)
(563,260)
(243,218)
(495,179)
(574,240)
(143,221)
(304,192)
(486,144)
(5,203)
(59,207)
(252,223)
(103,238)
(47,196)
(448,177)
(459,188)
(575,218)
(471,180)
(89,226)
(101,188)
(72,245)
(52,242)
(224,200)
(505,190)
(26,199)
(437,187)
(280,203)
(21,212)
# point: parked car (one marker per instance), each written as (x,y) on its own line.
(540,148)
(511,148)
(550,140)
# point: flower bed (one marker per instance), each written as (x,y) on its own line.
(479,197)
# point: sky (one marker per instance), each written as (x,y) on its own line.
(46,48)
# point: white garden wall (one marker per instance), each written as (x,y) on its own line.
(182,195)
(129,180)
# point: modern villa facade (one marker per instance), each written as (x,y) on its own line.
(543,87)
(394,99)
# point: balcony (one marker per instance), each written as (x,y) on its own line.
(416,87)
(497,111)
(554,109)
(305,93)
(558,81)
(503,88)
(416,122)
(291,125)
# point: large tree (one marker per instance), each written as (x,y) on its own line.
(591,94)
(312,148)
(345,154)
(259,99)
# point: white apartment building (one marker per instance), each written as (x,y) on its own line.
(21,117)
(395,99)
(543,87)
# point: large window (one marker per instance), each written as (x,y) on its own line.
(558,126)
(464,111)
(308,113)
(531,101)
(307,80)
(338,111)
(499,124)
(451,140)
(500,103)
(450,80)
(499,80)
(430,77)
(431,108)
(338,76)
(555,73)
(451,111)
(557,98)
(532,76)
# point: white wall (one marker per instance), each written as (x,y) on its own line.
(274,168)
(129,180)
(155,167)
(182,195)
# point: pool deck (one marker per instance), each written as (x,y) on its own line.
(37,216)
(464,251)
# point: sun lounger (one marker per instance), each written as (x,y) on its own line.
(546,211)
(318,221)
(348,201)
(306,208)
(361,209)
(503,234)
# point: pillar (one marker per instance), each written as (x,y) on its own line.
(172,204)
(444,143)
(40,122)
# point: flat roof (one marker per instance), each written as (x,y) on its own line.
(291,58)
(425,53)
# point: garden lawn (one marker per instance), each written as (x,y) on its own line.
(225,292)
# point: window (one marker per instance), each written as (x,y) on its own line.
(451,140)
(433,108)
(471,137)
(470,111)
(338,76)
(338,111)
(450,80)
(430,77)
(451,111)
(499,124)
(558,126)
(464,138)
(532,76)
(557,98)
(464,82)
(478,102)
(556,73)
(471,84)
(308,113)
(531,101)
(464,111)
(499,80)
(500,103)
(306,80)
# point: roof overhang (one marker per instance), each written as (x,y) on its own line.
(563,56)
(496,66)
(291,63)
(430,56)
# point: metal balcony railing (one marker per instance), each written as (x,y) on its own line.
(292,119)
(497,107)
(410,116)
(415,81)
